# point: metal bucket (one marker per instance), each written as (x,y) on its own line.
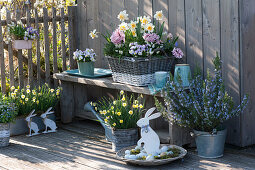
(122,138)
(210,145)
(4,134)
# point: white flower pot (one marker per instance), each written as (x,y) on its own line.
(22,44)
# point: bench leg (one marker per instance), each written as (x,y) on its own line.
(67,102)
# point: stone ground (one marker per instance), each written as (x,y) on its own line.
(81,145)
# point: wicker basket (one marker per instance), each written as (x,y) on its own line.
(138,71)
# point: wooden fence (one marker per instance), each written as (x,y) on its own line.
(36,75)
(204,27)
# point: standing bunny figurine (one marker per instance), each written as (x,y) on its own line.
(149,136)
(32,125)
(48,122)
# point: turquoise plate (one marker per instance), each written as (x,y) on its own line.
(98,72)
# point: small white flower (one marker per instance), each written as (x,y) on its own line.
(123,26)
(149,27)
(120,52)
(159,15)
(123,16)
(93,34)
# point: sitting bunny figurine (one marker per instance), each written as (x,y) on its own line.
(149,136)
(32,125)
(48,122)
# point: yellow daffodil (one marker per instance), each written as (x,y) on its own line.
(121,92)
(105,120)
(34,100)
(93,34)
(123,99)
(123,26)
(124,104)
(104,112)
(16,90)
(26,99)
(13,94)
(12,88)
(95,108)
(101,112)
(121,121)
(52,90)
(141,106)
(39,94)
(114,102)
(57,93)
(21,101)
(159,15)
(135,106)
(33,92)
(28,91)
(118,113)
(132,25)
(149,27)
(94,104)
(114,124)
(130,112)
(136,101)
(112,107)
(123,16)
(108,111)
(23,96)
(133,33)
(37,102)
(28,87)
(145,20)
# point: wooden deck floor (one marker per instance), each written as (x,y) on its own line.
(81,145)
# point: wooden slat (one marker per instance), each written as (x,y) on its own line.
(38,53)
(158,6)
(46,45)
(132,8)
(211,32)
(3,81)
(176,23)
(230,52)
(145,7)
(55,59)
(71,36)
(10,53)
(30,60)
(104,27)
(117,6)
(63,45)
(194,33)
(20,59)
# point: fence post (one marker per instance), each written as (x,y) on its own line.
(63,44)
(55,59)
(30,61)
(72,34)
(46,44)
(38,54)
(3,81)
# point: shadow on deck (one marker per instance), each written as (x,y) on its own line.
(81,145)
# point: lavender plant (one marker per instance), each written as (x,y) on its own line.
(205,106)
(8,111)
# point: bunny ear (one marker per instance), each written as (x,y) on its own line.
(149,112)
(154,116)
(32,112)
(49,109)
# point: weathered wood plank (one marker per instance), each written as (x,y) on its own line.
(82,10)
(117,7)
(176,23)
(10,53)
(145,8)
(158,6)
(30,60)
(46,45)
(211,32)
(54,37)
(63,45)
(247,69)
(67,102)
(38,53)
(2,62)
(20,59)
(194,33)
(230,52)
(132,8)
(71,36)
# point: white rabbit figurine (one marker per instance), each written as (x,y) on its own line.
(32,125)
(149,136)
(48,122)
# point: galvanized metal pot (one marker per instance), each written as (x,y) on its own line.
(4,134)
(122,138)
(210,145)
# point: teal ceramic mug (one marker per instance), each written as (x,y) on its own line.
(182,70)
(161,78)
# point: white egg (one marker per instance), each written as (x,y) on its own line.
(133,157)
(127,156)
(127,152)
(138,147)
(154,154)
(164,149)
(143,154)
(139,155)
(150,158)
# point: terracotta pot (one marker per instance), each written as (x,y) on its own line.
(22,44)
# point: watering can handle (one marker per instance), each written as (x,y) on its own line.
(194,135)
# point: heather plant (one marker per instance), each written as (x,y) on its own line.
(205,106)
(122,112)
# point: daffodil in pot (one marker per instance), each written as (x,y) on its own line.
(22,36)
(85,60)
(121,114)
(203,108)
(8,113)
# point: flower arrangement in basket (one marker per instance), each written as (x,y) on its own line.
(121,115)
(22,36)
(85,60)
(204,108)
(136,50)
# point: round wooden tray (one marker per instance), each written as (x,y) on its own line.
(121,154)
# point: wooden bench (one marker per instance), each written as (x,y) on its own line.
(78,90)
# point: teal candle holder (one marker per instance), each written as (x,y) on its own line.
(183,71)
